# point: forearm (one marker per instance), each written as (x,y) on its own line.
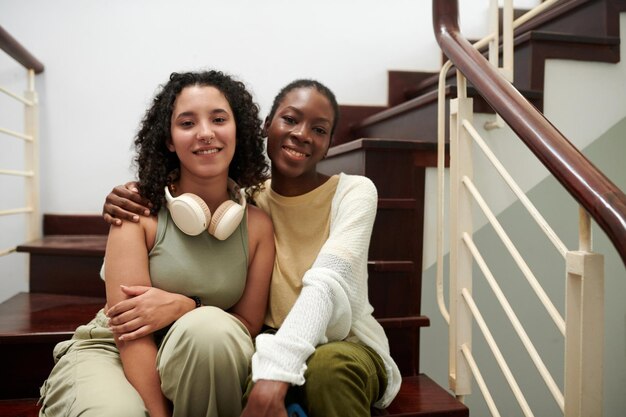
(139,362)
(281,357)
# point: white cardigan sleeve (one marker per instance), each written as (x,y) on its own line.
(334,288)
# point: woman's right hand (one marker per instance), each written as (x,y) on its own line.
(125,203)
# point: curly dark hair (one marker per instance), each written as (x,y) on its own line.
(157,166)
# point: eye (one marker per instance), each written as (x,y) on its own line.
(219,120)
(185,123)
(289,120)
(320,130)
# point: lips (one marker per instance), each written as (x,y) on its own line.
(206,151)
(295,153)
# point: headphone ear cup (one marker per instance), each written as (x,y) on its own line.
(226,219)
(190,213)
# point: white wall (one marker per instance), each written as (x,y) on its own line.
(104,60)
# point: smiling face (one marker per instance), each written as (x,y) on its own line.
(299,133)
(203,132)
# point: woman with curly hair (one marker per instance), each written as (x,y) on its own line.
(202,252)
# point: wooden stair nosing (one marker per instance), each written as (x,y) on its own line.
(74,245)
(44,317)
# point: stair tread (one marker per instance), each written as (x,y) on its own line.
(421,396)
(26,407)
(45,316)
(79,245)
(425,97)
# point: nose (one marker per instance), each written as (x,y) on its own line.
(301,133)
(205,133)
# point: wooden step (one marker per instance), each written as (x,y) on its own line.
(31,325)
(419,396)
(66,264)
(534,48)
(416,119)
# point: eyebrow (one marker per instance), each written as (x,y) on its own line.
(317,120)
(191,113)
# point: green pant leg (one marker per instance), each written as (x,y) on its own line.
(88,379)
(203,362)
(343,379)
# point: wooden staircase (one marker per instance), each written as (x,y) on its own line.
(393,145)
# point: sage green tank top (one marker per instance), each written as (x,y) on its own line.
(200,265)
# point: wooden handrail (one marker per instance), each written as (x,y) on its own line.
(602,199)
(12,47)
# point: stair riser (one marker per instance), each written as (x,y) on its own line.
(415,124)
(25,366)
(530,59)
(70,275)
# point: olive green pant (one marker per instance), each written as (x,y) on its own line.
(343,379)
(203,362)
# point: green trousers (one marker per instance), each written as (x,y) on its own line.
(343,379)
(203,362)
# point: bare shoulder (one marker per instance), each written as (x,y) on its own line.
(144,230)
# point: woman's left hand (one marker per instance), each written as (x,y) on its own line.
(147,310)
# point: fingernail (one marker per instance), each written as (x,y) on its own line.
(135,218)
(146,213)
(134,190)
(118,222)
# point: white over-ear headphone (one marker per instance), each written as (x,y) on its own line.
(191,214)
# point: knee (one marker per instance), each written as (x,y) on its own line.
(330,366)
(208,329)
(115,409)
(204,334)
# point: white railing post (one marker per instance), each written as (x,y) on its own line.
(31,159)
(584,318)
(460,331)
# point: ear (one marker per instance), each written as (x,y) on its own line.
(266,125)
(170,145)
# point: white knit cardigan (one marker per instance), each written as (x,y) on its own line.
(333,304)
